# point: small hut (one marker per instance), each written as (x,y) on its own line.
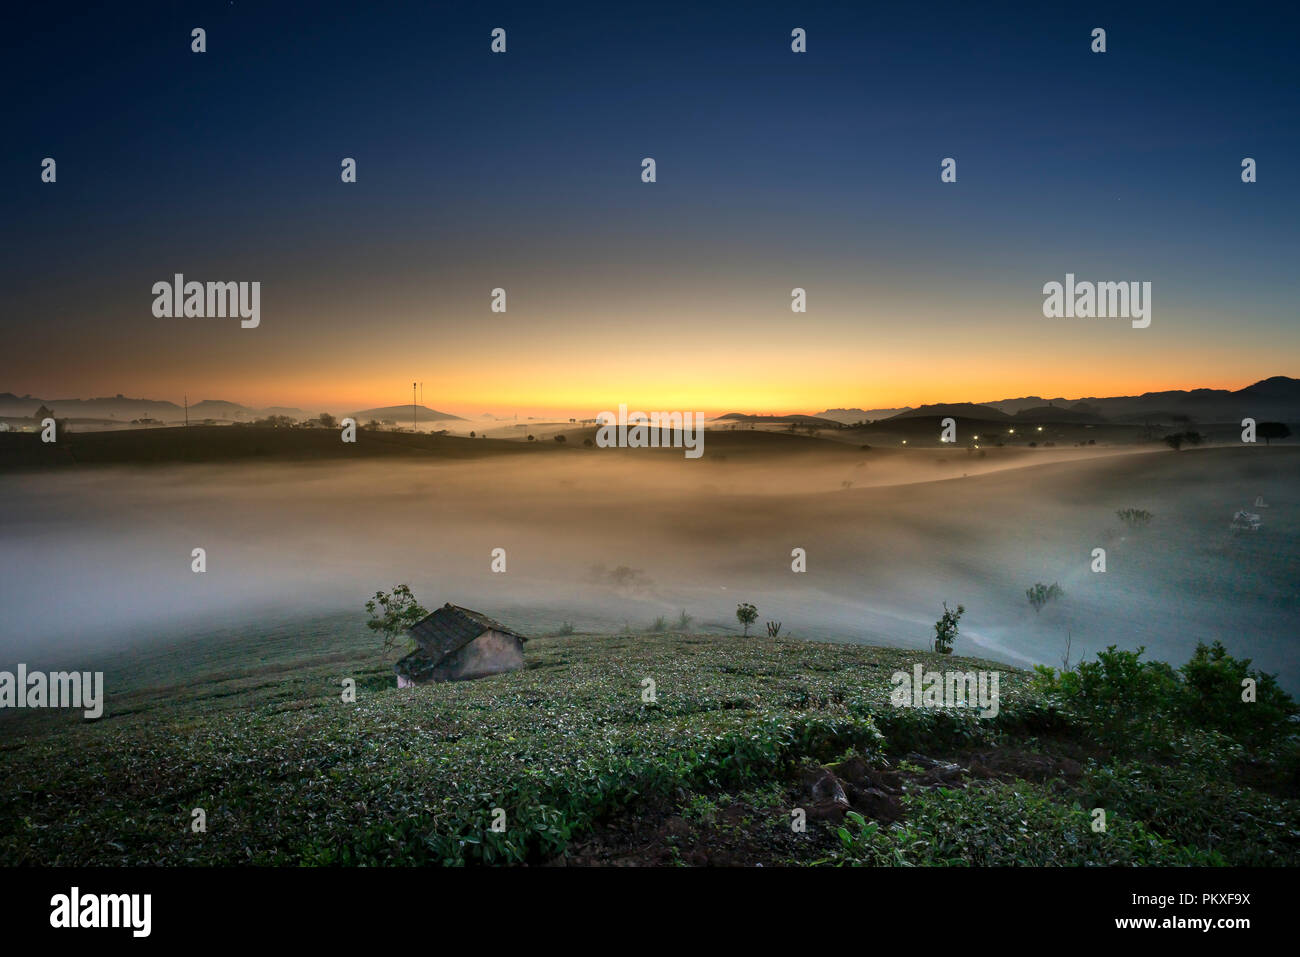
(1244,521)
(456,644)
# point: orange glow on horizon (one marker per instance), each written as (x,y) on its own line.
(540,392)
(688,365)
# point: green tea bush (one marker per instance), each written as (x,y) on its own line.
(1199,810)
(1002,825)
(1135,705)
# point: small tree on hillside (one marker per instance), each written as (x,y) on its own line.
(392,614)
(1041,594)
(945,629)
(1178,439)
(1272,430)
(746,614)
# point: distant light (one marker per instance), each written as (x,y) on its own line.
(904,441)
(1040,428)
(977,437)
(1013,431)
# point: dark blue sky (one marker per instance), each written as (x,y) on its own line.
(774,170)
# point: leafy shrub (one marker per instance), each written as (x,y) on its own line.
(1212,683)
(1134,517)
(910,729)
(1137,704)
(1116,692)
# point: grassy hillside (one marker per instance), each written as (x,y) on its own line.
(225,443)
(742,732)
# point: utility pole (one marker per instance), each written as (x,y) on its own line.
(187,411)
(415,416)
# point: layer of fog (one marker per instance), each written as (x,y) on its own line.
(98,559)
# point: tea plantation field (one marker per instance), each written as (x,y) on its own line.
(752,751)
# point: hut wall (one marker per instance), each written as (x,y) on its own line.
(489,654)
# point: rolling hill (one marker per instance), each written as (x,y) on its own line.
(403,413)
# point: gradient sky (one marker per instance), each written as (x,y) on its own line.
(775,170)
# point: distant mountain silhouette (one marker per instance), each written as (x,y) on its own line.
(1012,406)
(852,416)
(1277,397)
(220,409)
(965,410)
(1277,387)
(118,407)
(794,417)
(1274,398)
(122,408)
(1080,412)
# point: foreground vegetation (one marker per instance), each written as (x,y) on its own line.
(580,760)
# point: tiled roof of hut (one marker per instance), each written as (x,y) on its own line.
(451,627)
